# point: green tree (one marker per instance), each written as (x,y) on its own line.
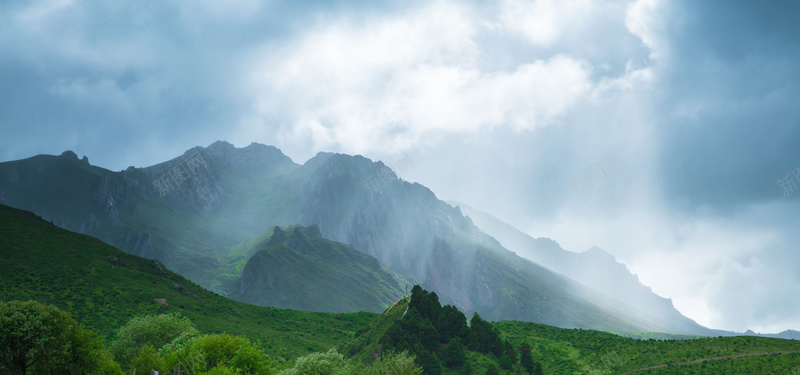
(466,369)
(329,363)
(509,349)
(395,364)
(147,360)
(484,337)
(43,339)
(525,357)
(429,362)
(220,370)
(158,331)
(453,355)
(492,370)
(505,362)
(452,323)
(537,369)
(216,350)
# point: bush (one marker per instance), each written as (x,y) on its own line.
(329,363)
(158,331)
(147,360)
(223,350)
(394,364)
(220,370)
(43,339)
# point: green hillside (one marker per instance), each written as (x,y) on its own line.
(576,351)
(202,225)
(298,269)
(103,287)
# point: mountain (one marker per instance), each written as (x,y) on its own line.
(194,213)
(296,268)
(103,287)
(595,268)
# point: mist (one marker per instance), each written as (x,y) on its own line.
(664,132)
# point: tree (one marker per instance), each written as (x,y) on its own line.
(329,363)
(394,363)
(537,369)
(43,339)
(525,358)
(484,337)
(453,354)
(452,323)
(505,362)
(509,349)
(158,331)
(147,360)
(466,369)
(492,370)
(429,362)
(223,350)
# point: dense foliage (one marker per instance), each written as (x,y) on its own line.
(333,363)
(439,336)
(36,338)
(155,331)
(164,342)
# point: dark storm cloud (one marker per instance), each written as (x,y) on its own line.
(732,94)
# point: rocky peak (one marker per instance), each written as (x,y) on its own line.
(254,156)
(69,154)
(277,236)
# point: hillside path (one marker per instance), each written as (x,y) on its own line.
(706,359)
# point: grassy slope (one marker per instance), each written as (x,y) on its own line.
(309,272)
(574,351)
(364,346)
(42,262)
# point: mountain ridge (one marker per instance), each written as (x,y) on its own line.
(220,196)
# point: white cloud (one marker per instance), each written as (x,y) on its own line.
(647,19)
(406,80)
(543,22)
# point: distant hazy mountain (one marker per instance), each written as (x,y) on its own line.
(197,213)
(595,268)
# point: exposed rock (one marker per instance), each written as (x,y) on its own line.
(162,301)
(161,268)
(115,260)
(180,288)
(277,236)
(69,155)
(84,160)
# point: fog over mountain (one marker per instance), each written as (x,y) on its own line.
(664,132)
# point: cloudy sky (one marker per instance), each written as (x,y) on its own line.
(657,130)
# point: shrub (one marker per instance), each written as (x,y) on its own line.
(394,364)
(223,350)
(158,331)
(329,363)
(43,339)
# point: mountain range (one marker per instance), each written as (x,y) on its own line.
(210,215)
